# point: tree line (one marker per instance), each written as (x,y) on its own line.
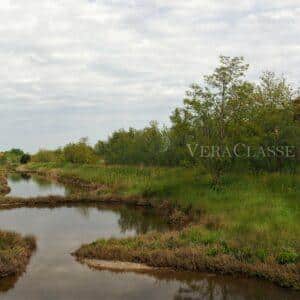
(223,112)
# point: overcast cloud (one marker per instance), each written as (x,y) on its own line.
(73,68)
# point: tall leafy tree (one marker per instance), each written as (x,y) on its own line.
(208,109)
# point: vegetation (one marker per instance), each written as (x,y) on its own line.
(77,153)
(15,252)
(226,124)
(25,159)
(255,211)
(13,157)
(231,155)
(256,123)
(195,249)
(4,189)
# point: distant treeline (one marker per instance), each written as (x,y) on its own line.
(219,116)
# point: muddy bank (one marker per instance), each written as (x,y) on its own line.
(52,201)
(15,253)
(116,265)
(55,175)
(92,193)
(171,216)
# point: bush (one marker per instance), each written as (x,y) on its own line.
(25,159)
(46,156)
(79,153)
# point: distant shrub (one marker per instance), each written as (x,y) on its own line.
(47,156)
(25,158)
(12,156)
(80,153)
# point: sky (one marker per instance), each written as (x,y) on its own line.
(84,68)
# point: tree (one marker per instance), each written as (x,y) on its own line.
(208,110)
(79,153)
(25,158)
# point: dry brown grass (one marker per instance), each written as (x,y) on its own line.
(4,188)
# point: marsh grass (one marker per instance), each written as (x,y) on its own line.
(15,252)
(253,210)
(253,218)
(196,249)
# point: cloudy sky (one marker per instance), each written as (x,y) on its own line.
(74,68)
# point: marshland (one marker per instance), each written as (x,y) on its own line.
(141,208)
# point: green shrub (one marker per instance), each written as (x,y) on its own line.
(212,252)
(79,153)
(25,159)
(46,156)
(287,256)
(262,255)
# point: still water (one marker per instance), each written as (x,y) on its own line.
(23,185)
(54,274)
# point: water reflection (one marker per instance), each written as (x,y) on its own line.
(54,274)
(24,185)
(140,220)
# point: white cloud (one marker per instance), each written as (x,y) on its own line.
(89,67)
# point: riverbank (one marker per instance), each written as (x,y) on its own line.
(251,225)
(189,250)
(4,188)
(15,253)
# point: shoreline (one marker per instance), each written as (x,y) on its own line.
(200,258)
(4,188)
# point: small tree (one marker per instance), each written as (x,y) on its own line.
(80,153)
(208,110)
(25,159)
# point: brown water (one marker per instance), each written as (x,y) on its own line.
(54,274)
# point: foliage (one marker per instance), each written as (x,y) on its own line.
(223,112)
(80,153)
(12,156)
(144,146)
(25,158)
(288,256)
(48,156)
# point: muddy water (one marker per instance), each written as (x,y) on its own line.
(54,274)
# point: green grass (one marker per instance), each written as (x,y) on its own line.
(260,211)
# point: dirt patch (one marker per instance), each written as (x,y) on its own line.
(116,265)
